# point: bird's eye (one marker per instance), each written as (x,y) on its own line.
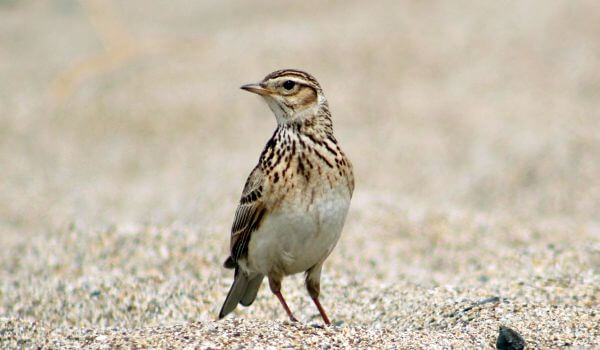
(288,85)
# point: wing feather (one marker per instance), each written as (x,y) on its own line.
(249,214)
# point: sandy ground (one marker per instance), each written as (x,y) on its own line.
(474,129)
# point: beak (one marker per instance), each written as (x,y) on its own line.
(256,88)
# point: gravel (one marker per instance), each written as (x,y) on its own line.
(151,286)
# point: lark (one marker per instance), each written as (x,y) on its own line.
(295,201)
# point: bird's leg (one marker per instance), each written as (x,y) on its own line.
(275,285)
(285,307)
(321,311)
(313,285)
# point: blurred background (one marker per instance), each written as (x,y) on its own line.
(473,127)
(131,111)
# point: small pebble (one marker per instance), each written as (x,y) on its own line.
(509,339)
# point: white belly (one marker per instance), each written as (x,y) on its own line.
(298,235)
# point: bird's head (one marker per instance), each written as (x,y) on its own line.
(291,94)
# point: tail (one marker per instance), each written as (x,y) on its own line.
(252,289)
(243,290)
(237,291)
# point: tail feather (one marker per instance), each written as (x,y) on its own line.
(229,263)
(252,290)
(237,291)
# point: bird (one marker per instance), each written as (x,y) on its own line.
(295,201)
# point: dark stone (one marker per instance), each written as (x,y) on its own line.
(509,339)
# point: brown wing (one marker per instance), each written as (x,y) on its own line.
(248,215)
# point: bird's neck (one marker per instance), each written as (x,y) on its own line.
(317,123)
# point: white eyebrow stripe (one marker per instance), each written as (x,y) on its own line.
(296,79)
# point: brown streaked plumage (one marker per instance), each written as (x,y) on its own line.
(295,201)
